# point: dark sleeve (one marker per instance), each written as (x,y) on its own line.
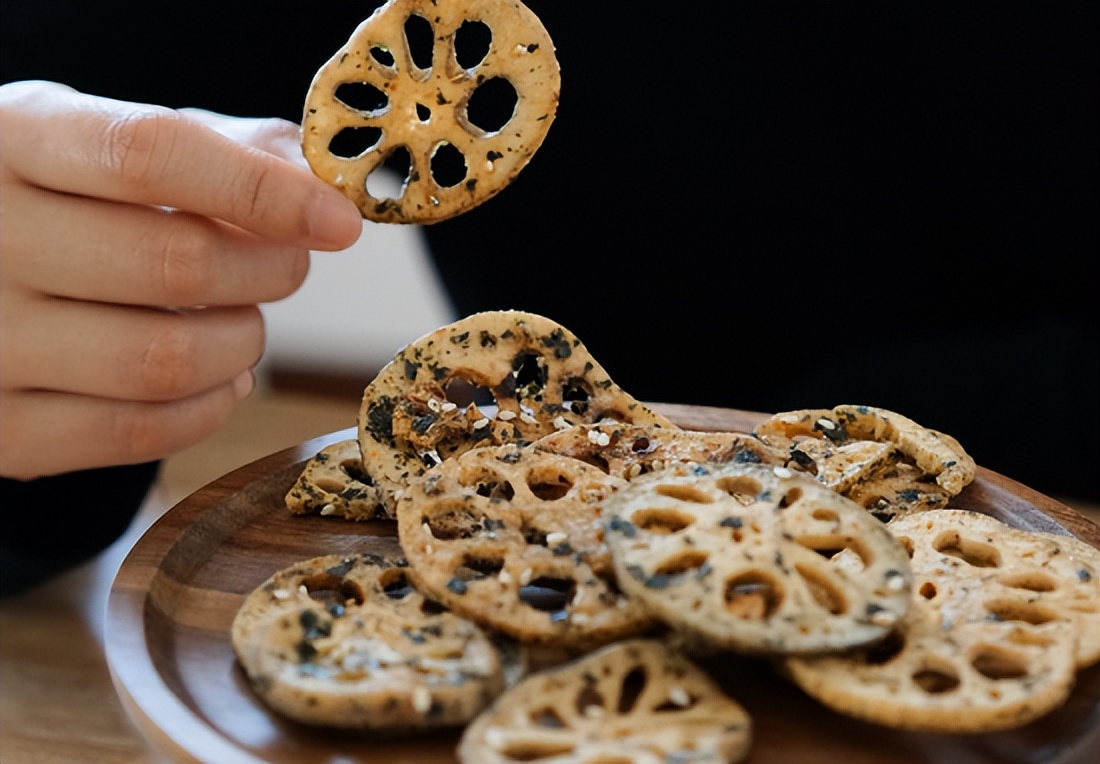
(55,523)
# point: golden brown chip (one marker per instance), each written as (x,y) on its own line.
(882,460)
(488,379)
(376,103)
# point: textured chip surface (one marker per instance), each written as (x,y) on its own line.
(739,556)
(375,91)
(345,641)
(334,483)
(510,537)
(634,701)
(525,376)
(879,459)
(1001,619)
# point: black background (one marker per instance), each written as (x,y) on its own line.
(763,205)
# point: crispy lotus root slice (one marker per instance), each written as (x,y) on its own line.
(426,404)
(973,567)
(346,641)
(510,537)
(738,557)
(634,701)
(937,675)
(464,117)
(881,460)
(630,450)
(334,483)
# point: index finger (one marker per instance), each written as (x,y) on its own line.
(67,141)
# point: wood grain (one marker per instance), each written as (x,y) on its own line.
(175,595)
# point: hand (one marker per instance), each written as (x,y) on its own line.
(136,243)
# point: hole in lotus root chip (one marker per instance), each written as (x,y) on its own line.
(975,553)
(885,650)
(589,701)
(790,497)
(683,562)
(682,492)
(936,679)
(1011,610)
(474,568)
(395,584)
(997,662)
(662,521)
(928,590)
(548,484)
(1029,580)
(548,718)
(830,545)
(753,595)
(743,488)
(472,41)
(333,589)
(630,691)
(823,589)
(449,525)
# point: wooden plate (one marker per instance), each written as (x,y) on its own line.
(175,595)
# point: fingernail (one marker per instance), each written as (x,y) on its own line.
(334,222)
(243,384)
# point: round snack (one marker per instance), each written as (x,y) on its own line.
(539,376)
(379,100)
(973,567)
(1001,619)
(509,536)
(334,483)
(345,641)
(738,557)
(634,701)
(879,459)
(630,450)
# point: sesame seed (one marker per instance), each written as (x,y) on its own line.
(427,529)
(434,405)
(506,416)
(895,582)
(679,697)
(594,712)
(579,618)
(884,618)
(328,509)
(825,424)
(594,436)
(496,738)
(604,439)
(526,576)
(561,423)
(555,538)
(527,418)
(421,700)
(281,594)
(448,406)
(634,471)
(504,577)
(781,472)
(481,423)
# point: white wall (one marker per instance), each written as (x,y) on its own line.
(358,307)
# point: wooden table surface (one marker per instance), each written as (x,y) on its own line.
(57,702)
